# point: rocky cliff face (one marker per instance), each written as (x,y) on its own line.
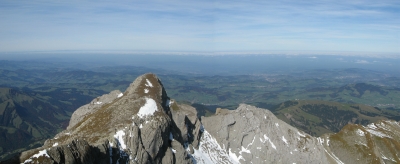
(143,125)
(253,135)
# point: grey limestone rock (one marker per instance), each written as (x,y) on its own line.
(187,122)
(130,127)
(253,135)
(94,105)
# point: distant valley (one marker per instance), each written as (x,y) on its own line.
(144,125)
(44,94)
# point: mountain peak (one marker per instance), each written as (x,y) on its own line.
(148,85)
(142,125)
(135,126)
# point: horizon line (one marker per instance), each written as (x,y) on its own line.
(210,53)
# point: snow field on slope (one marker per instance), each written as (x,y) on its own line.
(39,154)
(148,108)
(210,152)
(119,136)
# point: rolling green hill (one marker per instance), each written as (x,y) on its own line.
(317,117)
(28,118)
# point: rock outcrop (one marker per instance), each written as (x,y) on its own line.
(92,107)
(136,126)
(376,143)
(254,135)
(143,125)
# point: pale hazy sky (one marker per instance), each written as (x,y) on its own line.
(173,25)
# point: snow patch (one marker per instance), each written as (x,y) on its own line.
(251,142)
(211,152)
(372,126)
(327,141)
(39,154)
(284,140)
(120,95)
(148,109)
(146,91)
(119,137)
(360,132)
(377,133)
(55,144)
(360,143)
(334,157)
(173,150)
(98,102)
(148,83)
(141,126)
(386,158)
(169,102)
(270,142)
(320,140)
(233,156)
(244,150)
(301,135)
(276,124)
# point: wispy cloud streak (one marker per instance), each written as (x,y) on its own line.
(200,25)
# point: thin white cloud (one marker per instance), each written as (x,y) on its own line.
(362,62)
(209,25)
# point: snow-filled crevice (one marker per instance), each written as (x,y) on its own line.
(120,149)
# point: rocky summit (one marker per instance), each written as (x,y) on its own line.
(143,125)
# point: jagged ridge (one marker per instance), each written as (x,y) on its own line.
(143,125)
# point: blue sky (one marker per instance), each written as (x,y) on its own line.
(209,26)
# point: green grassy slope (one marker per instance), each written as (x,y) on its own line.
(317,117)
(28,118)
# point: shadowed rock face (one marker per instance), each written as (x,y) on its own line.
(143,125)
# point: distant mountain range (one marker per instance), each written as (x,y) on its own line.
(144,125)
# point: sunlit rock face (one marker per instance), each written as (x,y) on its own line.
(253,135)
